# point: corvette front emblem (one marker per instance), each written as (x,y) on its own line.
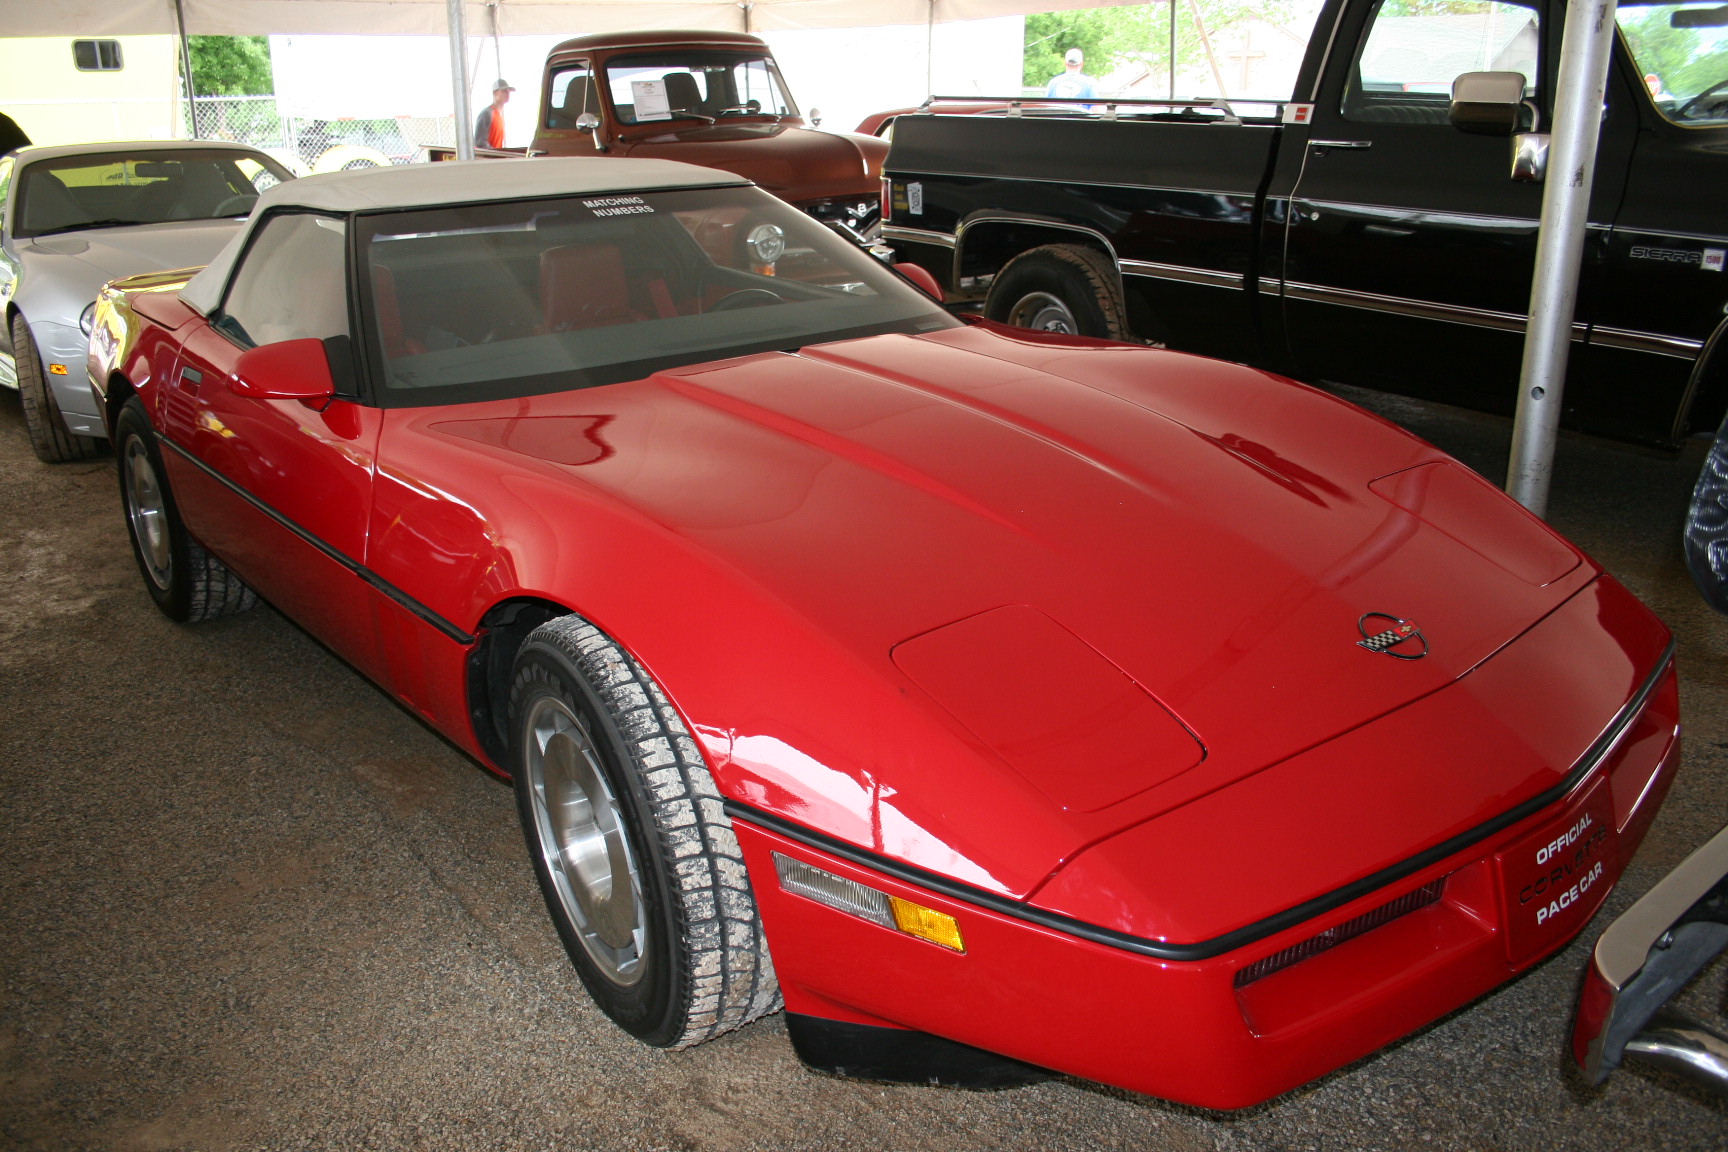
(1389,640)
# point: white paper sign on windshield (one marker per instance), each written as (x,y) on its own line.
(650,99)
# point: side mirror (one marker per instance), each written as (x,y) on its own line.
(590,123)
(1530,157)
(920,278)
(1487,103)
(289,370)
(815,117)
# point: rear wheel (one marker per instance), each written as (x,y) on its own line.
(186,582)
(636,859)
(49,438)
(1066,288)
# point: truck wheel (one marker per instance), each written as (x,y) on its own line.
(1707,525)
(1060,288)
(49,437)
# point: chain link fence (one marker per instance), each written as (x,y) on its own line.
(309,144)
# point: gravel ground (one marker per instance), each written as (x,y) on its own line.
(248,903)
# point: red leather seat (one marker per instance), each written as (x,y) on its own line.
(584,287)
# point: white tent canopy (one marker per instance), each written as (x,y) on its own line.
(513,17)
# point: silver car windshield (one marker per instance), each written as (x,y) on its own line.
(114,189)
(495,300)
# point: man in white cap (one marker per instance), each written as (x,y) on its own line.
(489,126)
(1072,84)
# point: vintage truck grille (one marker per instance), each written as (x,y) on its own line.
(1336,935)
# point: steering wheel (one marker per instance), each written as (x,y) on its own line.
(237,205)
(746,298)
(1685,111)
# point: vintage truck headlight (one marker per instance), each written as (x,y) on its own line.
(767,243)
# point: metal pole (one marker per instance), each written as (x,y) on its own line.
(1584,53)
(186,70)
(1172,49)
(459,77)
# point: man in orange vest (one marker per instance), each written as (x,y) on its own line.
(489,127)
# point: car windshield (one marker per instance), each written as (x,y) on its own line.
(695,85)
(1681,51)
(488,301)
(112,189)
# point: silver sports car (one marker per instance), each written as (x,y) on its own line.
(77,216)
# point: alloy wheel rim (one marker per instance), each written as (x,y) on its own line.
(1045,313)
(582,841)
(147,510)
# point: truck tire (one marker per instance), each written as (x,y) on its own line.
(1066,288)
(1707,525)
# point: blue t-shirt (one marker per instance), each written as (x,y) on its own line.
(1071,86)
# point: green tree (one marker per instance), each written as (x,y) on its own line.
(1675,55)
(231,65)
(1140,33)
(1105,35)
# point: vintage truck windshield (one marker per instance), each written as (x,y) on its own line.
(487,301)
(1682,53)
(702,85)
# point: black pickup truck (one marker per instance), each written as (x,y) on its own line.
(1370,229)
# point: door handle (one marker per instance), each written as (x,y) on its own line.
(1340,143)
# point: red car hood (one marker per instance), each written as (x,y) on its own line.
(1201,542)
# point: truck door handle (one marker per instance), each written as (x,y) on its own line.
(1340,143)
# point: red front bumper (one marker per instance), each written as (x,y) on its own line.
(1246,1025)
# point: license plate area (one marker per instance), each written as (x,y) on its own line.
(1555,878)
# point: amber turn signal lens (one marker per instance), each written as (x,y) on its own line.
(926,924)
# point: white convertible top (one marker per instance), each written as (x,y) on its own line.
(449,183)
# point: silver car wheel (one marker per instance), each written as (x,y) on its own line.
(580,833)
(1044,312)
(148,512)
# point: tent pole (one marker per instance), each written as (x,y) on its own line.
(1584,51)
(459,78)
(186,70)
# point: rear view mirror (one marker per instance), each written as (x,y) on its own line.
(587,122)
(289,370)
(1487,103)
(1699,18)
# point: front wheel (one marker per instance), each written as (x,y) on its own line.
(1707,525)
(1065,288)
(43,420)
(186,582)
(638,863)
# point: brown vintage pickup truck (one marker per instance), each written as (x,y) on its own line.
(711,98)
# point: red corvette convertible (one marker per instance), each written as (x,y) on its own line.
(1039,703)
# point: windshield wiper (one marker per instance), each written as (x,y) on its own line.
(87,224)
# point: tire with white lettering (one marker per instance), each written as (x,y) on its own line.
(1067,288)
(186,582)
(635,856)
(49,437)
